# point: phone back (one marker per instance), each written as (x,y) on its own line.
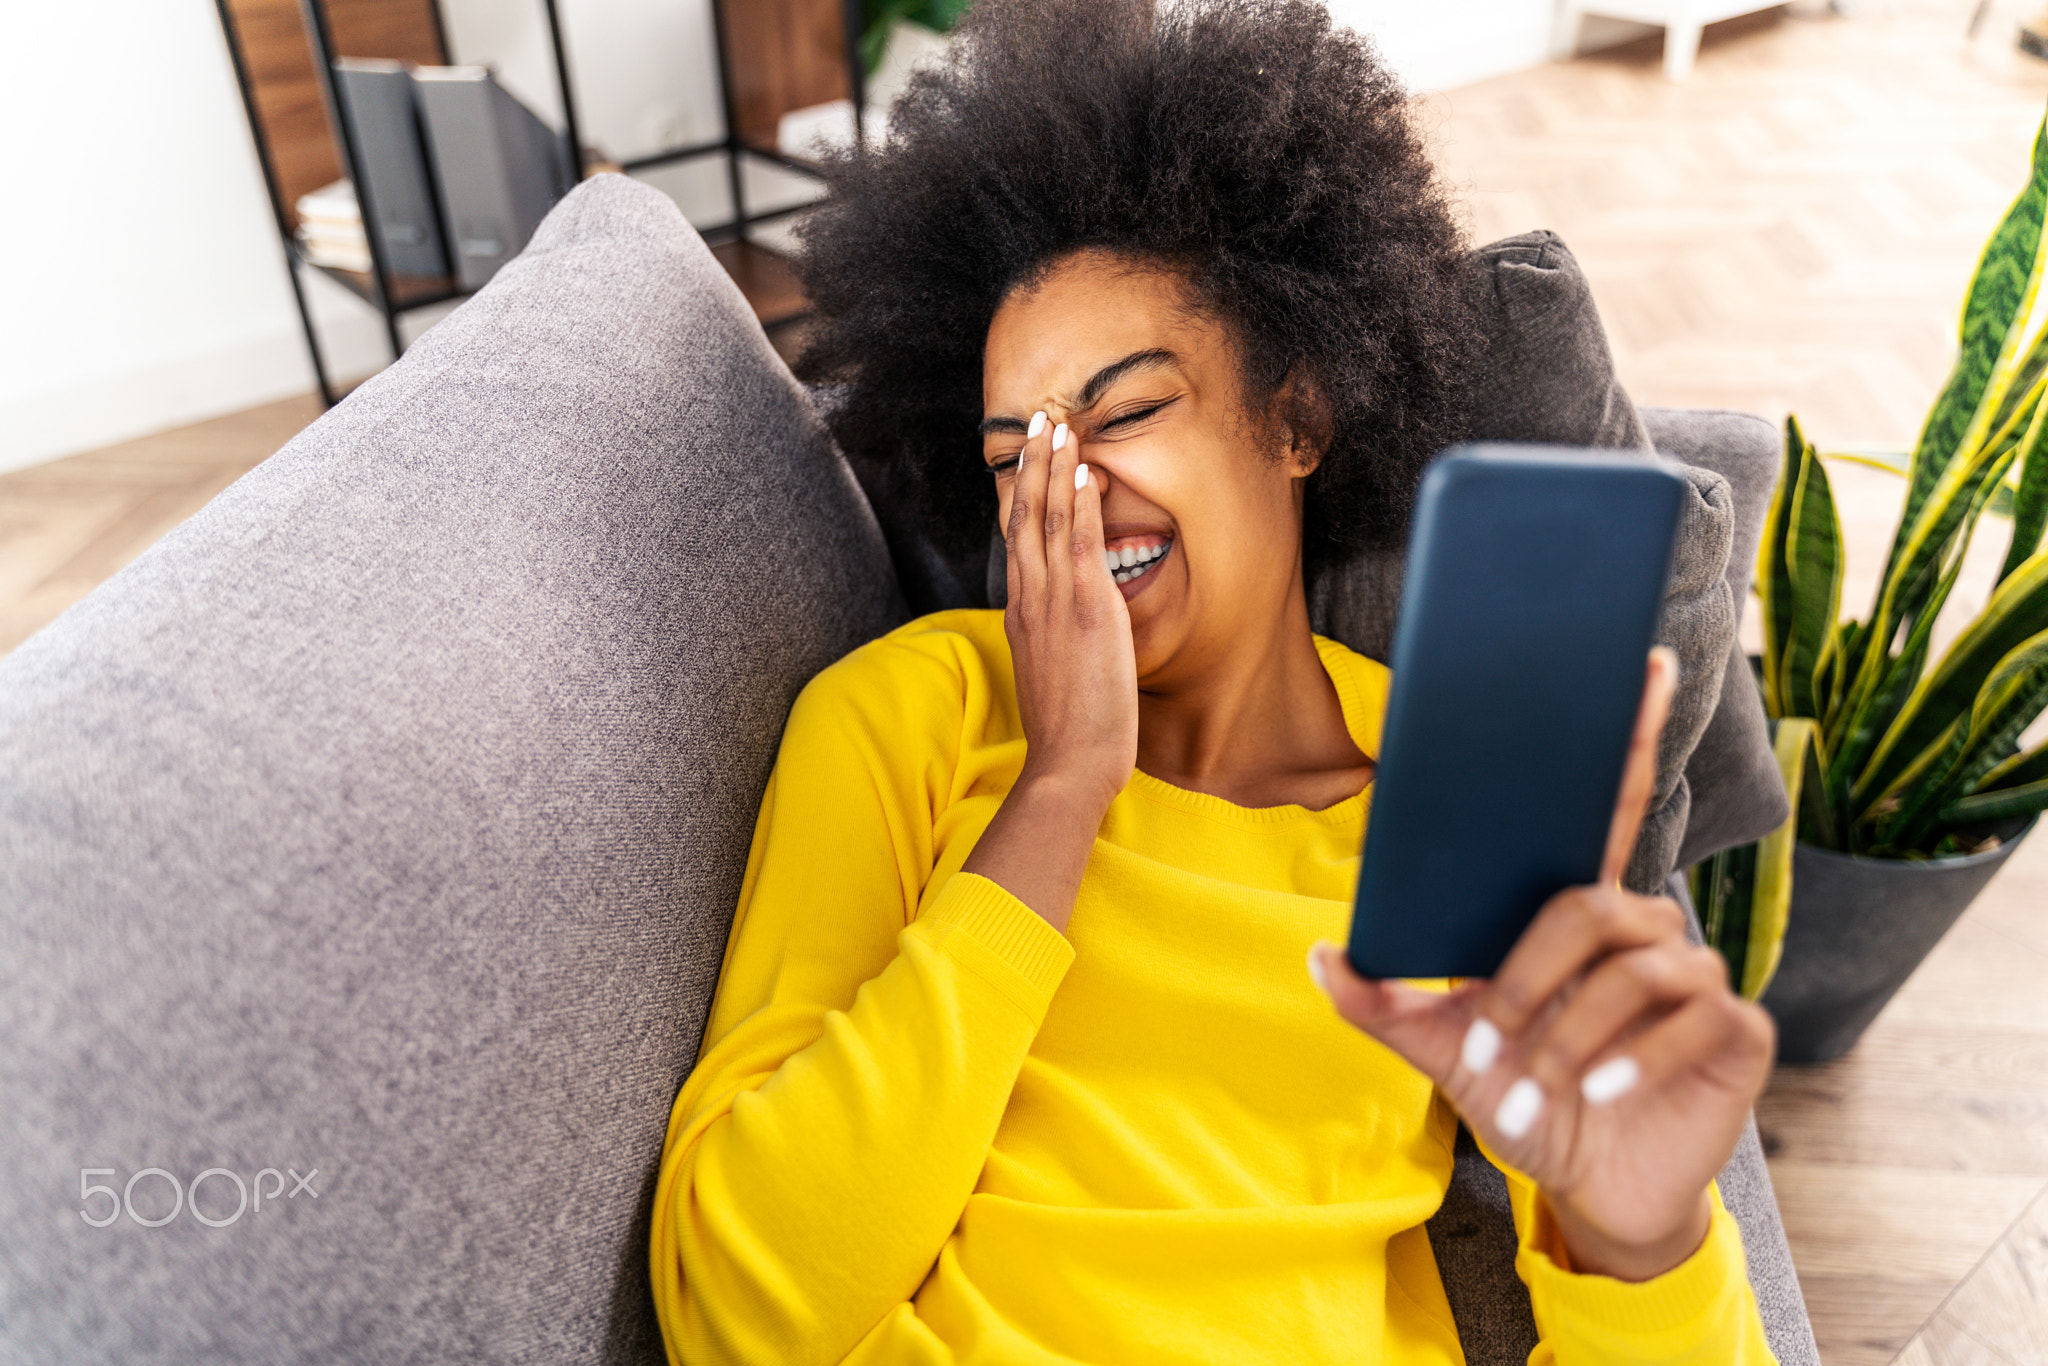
(1529,607)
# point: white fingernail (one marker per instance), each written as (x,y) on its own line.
(1668,655)
(1519,1108)
(1059,437)
(1315,967)
(1610,1081)
(1482,1046)
(1037,425)
(1080,477)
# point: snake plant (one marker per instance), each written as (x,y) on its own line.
(878,20)
(1887,752)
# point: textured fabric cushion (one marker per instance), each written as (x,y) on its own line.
(386,820)
(1548,377)
(1738,794)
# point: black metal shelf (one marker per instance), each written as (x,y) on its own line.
(392,295)
(407,291)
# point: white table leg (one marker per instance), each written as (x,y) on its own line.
(1681,45)
(1564,32)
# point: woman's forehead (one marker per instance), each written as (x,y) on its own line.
(1091,314)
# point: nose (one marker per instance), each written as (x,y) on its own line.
(1098,474)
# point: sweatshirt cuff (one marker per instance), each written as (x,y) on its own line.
(1645,1320)
(1001,939)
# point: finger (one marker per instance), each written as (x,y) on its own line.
(1091,574)
(1059,514)
(1639,775)
(1575,930)
(1023,537)
(1423,1027)
(1718,1035)
(1626,995)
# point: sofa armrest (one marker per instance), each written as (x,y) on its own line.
(386,819)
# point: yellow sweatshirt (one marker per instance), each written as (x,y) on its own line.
(926,1127)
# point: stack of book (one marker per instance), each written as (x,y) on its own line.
(331,228)
(456,171)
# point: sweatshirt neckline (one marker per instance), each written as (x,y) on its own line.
(1343,673)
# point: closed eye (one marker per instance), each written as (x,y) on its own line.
(1139,415)
(1123,420)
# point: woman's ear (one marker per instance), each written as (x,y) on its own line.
(1306,420)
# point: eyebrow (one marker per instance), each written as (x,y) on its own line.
(1092,390)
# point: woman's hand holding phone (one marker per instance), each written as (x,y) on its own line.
(1076,670)
(1607,1060)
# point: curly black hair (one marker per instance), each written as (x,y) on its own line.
(1261,152)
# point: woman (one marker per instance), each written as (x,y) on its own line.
(1012,1058)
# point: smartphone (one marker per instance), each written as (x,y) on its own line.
(1534,579)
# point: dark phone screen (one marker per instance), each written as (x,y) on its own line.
(1534,579)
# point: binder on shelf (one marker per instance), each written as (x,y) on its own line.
(377,99)
(498,169)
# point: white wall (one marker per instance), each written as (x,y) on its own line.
(144,283)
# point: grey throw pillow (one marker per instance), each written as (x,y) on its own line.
(1548,377)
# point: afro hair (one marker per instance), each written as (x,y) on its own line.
(1252,146)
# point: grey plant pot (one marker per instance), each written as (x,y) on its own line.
(1858,928)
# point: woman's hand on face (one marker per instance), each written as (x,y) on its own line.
(1069,629)
(1607,1060)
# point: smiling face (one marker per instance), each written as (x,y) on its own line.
(1152,390)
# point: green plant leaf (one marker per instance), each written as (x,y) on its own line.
(1722,889)
(2018,610)
(1812,556)
(2013,695)
(1883,710)
(2027,501)
(1886,458)
(1816,810)
(1995,309)
(1774,571)
(1989,808)
(1880,778)
(1909,599)
(943,14)
(1889,820)
(1771,901)
(2017,770)
(1898,462)
(2032,368)
(1950,515)
(880,17)
(1836,661)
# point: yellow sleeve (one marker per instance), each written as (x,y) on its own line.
(1702,1312)
(858,1057)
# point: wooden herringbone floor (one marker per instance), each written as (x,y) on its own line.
(1789,231)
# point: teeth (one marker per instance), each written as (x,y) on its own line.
(1131,561)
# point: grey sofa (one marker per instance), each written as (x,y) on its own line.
(368,845)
